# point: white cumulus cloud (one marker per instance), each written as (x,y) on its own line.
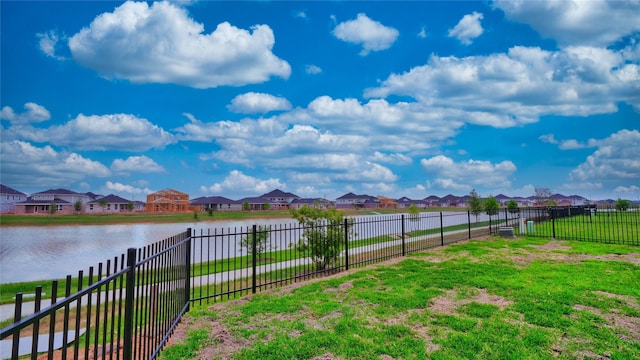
(123,188)
(123,132)
(615,159)
(138,164)
(468,28)
(516,88)
(160,43)
(592,22)
(24,164)
(48,41)
(237,182)
(467,174)
(252,103)
(627,189)
(370,33)
(312,69)
(33,113)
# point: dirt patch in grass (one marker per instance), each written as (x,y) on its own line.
(450,301)
(630,325)
(551,246)
(225,344)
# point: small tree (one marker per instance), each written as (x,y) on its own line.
(323,234)
(266,206)
(103,203)
(210,211)
(131,206)
(53,207)
(262,235)
(245,206)
(414,213)
(77,206)
(512,206)
(475,204)
(491,207)
(543,196)
(623,205)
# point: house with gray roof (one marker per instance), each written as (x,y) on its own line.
(278,199)
(41,203)
(8,199)
(109,204)
(353,201)
(405,203)
(216,203)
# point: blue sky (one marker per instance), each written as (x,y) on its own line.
(322,98)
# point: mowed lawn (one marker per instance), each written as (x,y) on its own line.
(482,299)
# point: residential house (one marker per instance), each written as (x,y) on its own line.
(109,204)
(432,201)
(463,201)
(405,203)
(310,202)
(502,199)
(449,201)
(278,199)
(253,203)
(577,200)
(387,203)
(216,203)
(524,202)
(8,199)
(168,201)
(65,202)
(351,201)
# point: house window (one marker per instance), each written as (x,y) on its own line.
(90,206)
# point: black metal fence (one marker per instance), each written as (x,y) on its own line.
(129,308)
(236,261)
(583,223)
(126,309)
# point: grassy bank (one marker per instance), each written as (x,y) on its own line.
(134,218)
(496,298)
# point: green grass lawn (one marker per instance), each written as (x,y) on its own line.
(528,298)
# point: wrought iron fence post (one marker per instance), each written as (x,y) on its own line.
(17,315)
(254,235)
(469,222)
(553,221)
(187,280)
(404,248)
(441,230)
(346,244)
(128,304)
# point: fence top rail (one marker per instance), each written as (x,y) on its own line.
(30,319)
(161,252)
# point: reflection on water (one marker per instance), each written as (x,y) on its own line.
(36,253)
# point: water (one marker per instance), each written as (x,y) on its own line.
(42,253)
(50,252)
